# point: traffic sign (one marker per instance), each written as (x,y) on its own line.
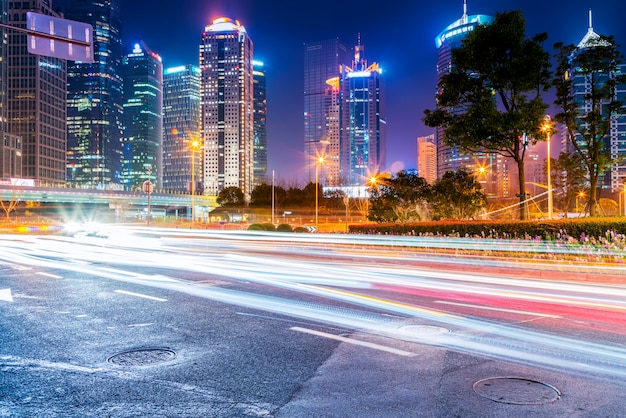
(58,38)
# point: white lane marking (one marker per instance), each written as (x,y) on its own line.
(356,342)
(490,308)
(5,295)
(141,325)
(139,295)
(54,276)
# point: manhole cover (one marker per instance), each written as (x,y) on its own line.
(423,330)
(516,391)
(142,357)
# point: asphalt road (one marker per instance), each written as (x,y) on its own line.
(136,323)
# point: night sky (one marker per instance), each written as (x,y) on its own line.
(398,34)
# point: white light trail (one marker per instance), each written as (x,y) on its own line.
(355,342)
(140,295)
(344,269)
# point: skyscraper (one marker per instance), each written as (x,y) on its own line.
(427,158)
(329,172)
(37,101)
(322,61)
(181,127)
(4,36)
(142,72)
(260,122)
(451,158)
(10,145)
(615,140)
(94,100)
(362,121)
(226,53)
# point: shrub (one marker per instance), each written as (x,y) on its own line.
(256,227)
(284,228)
(269,226)
(300,229)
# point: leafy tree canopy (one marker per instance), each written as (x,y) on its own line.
(231,196)
(491,99)
(457,195)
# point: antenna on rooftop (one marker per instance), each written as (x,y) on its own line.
(590,20)
(464,17)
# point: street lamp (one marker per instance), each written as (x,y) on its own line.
(195,144)
(319,161)
(580,194)
(547,128)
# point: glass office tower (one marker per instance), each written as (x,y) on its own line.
(450,158)
(362,121)
(181,128)
(260,124)
(94,100)
(322,61)
(142,72)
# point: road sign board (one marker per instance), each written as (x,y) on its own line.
(59,38)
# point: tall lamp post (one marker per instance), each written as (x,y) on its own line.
(547,127)
(319,161)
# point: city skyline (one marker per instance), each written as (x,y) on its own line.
(400,35)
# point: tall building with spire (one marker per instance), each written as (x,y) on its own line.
(615,142)
(181,129)
(450,158)
(260,124)
(36,101)
(322,61)
(226,53)
(142,71)
(94,100)
(362,120)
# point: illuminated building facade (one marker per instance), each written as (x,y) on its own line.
(451,158)
(142,72)
(181,127)
(94,100)
(329,173)
(615,140)
(260,124)
(427,158)
(322,61)
(362,121)
(36,101)
(227,94)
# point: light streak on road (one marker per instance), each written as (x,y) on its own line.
(366,287)
(140,295)
(355,342)
(489,308)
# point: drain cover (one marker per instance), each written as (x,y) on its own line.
(142,357)
(518,391)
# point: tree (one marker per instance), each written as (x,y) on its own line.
(399,199)
(10,205)
(568,177)
(457,195)
(261,195)
(491,99)
(231,196)
(588,118)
